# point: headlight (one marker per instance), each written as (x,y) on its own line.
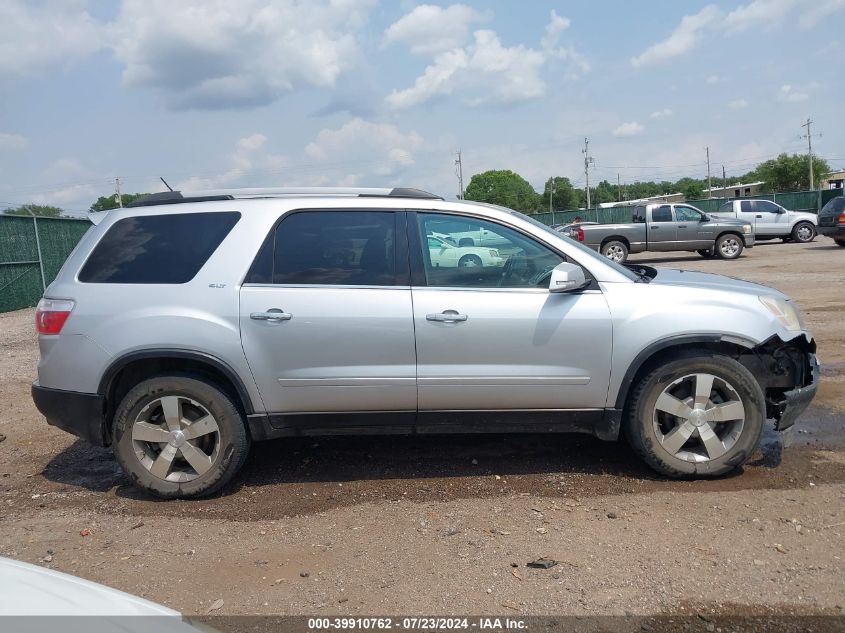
(746,228)
(785,312)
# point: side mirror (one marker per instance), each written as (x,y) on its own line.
(704,218)
(567,277)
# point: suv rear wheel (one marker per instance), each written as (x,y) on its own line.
(179,437)
(699,414)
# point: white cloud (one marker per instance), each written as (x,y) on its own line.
(249,159)
(382,144)
(758,13)
(430,29)
(661,114)
(485,71)
(738,104)
(683,39)
(818,10)
(557,25)
(218,54)
(36,36)
(632,128)
(12,142)
(767,13)
(713,79)
(791,95)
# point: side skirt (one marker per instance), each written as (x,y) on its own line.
(603,423)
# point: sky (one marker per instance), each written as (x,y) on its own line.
(264,93)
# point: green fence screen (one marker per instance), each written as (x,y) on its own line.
(22,261)
(810,201)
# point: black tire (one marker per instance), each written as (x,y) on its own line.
(706,253)
(615,250)
(840,243)
(803,232)
(729,246)
(230,438)
(639,424)
(470,261)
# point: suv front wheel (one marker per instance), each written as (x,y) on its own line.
(179,437)
(699,414)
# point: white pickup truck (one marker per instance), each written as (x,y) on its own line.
(770,220)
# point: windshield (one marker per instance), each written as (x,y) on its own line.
(589,252)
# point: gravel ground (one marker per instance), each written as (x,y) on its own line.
(445,525)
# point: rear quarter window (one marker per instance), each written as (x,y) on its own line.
(157,249)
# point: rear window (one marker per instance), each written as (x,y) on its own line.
(837,205)
(157,249)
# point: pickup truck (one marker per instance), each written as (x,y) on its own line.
(667,227)
(770,220)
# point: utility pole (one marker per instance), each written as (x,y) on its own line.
(117,197)
(809,137)
(724,181)
(709,184)
(459,172)
(618,188)
(551,195)
(587,160)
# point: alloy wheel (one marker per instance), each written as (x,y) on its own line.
(698,417)
(729,247)
(176,438)
(614,253)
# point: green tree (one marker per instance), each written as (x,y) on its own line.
(105,203)
(565,195)
(504,187)
(41,210)
(789,173)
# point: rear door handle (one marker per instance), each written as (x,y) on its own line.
(273,314)
(682,226)
(447,316)
(758,216)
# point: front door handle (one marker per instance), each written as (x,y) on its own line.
(447,316)
(758,216)
(682,226)
(273,314)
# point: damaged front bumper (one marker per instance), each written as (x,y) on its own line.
(797,400)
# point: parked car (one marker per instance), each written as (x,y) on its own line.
(770,220)
(832,220)
(443,252)
(187,326)
(667,227)
(34,596)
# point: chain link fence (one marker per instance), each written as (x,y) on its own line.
(32,250)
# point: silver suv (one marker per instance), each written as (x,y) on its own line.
(184,328)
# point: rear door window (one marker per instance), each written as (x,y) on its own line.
(157,249)
(662,214)
(333,248)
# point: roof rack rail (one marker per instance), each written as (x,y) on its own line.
(176,197)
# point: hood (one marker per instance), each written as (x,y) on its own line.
(691,279)
(32,590)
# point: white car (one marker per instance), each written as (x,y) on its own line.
(30,594)
(445,254)
(770,220)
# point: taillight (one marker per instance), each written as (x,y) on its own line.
(51,314)
(842,218)
(579,233)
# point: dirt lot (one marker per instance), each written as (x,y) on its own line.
(435,525)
